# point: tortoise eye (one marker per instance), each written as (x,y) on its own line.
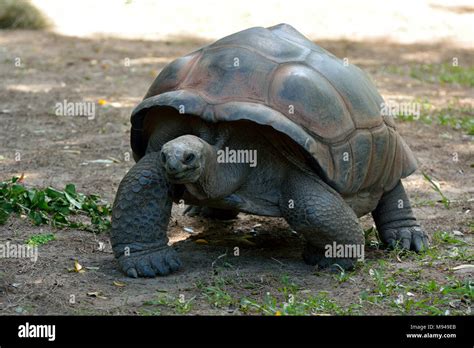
(189,158)
(163,158)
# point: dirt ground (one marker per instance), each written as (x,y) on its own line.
(57,150)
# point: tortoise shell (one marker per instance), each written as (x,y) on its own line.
(277,77)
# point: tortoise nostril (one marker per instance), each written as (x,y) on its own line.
(189,158)
(163,158)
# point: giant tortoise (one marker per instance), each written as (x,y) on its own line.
(322,153)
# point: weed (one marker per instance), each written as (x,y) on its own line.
(443,237)
(444,73)
(216,294)
(436,187)
(40,239)
(319,304)
(179,305)
(53,207)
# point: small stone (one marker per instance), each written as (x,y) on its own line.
(454,304)
(399,299)
(189,230)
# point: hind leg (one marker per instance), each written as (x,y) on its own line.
(314,209)
(396,223)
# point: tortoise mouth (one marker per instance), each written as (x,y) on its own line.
(190,175)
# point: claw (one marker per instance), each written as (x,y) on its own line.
(392,243)
(405,239)
(409,238)
(174,264)
(145,270)
(150,264)
(417,243)
(159,266)
(132,273)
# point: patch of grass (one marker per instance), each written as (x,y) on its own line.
(443,237)
(289,299)
(436,187)
(456,116)
(384,285)
(40,239)
(289,287)
(372,238)
(425,306)
(343,276)
(446,117)
(407,291)
(463,289)
(216,294)
(444,73)
(53,207)
(443,246)
(429,287)
(286,298)
(395,69)
(431,298)
(319,304)
(179,305)
(21,14)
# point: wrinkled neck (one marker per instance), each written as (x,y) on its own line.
(218,180)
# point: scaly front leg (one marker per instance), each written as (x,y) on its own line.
(140,217)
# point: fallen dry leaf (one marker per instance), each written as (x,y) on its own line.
(77,268)
(464,269)
(96,294)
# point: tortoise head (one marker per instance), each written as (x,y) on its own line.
(184,158)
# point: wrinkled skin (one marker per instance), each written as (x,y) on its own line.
(182,163)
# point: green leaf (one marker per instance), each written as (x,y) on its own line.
(39,200)
(71,190)
(52,193)
(73,201)
(3,216)
(36,216)
(17,190)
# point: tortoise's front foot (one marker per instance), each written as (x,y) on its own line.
(140,217)
(150,262)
